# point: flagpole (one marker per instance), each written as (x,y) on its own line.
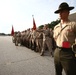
(34,24)
(33,16)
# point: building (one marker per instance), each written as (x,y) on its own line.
(72,16)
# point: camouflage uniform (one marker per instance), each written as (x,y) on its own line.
(39,40)
(18,38)
(47,41)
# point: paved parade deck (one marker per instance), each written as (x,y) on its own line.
(19,60)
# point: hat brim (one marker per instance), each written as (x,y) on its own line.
(69,8)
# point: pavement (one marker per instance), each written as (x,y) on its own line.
(19,60)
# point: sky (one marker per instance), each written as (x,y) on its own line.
(19,13)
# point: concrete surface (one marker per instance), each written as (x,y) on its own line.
(18,60)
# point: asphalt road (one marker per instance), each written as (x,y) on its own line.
(19,60)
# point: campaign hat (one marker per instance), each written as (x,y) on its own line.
(64,6)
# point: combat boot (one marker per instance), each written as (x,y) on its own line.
(42,53)
(52,54)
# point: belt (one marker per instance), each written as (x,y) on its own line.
(46,36)
(62,47)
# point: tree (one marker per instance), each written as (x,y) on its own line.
(51,25)
(41,26)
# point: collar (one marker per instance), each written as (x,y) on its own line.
(59,25)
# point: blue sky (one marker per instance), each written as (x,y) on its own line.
(19,13)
